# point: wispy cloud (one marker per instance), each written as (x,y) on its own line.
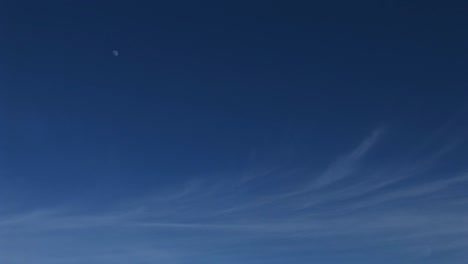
(347,165)
(399,206)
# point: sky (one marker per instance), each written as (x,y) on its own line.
(233,132)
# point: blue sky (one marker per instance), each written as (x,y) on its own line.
(233,132)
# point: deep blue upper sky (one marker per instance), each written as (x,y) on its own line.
(227,132)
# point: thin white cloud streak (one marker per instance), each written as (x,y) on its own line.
(347,165)
(410,192)
(368,183)
(337,171)
(378,181)
(225,216)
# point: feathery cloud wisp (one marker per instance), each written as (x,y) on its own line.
(399,207)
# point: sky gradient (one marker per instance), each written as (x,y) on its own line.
(233,132)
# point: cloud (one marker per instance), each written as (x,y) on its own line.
(338,170)
(346,165)
(405,208)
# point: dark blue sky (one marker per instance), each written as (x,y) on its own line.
(227,132)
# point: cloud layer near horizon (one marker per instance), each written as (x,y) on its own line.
(403,208)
